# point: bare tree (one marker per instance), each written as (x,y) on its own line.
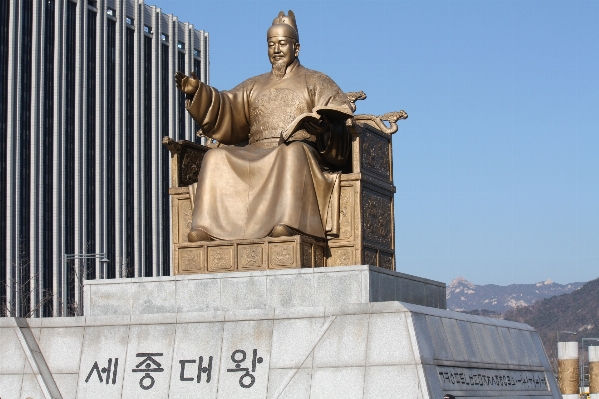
(23,287)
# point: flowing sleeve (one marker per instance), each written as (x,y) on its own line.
(222,115)
(334,146)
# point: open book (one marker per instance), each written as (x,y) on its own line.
(315,116)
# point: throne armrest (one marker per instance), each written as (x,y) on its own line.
(186,161)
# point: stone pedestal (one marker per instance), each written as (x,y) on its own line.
(246,335)
(330,286)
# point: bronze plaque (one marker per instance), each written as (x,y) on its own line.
(370,257)
(191,260)
(250,257)
(282,255)
(220,259)
(184,218)
(376,218)
(346,213)
(343,256)
(375,154)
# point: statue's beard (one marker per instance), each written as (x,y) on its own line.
(279,69)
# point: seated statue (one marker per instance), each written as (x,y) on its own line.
(285,180)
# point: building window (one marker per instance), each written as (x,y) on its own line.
(181,45)
(164,37)
(129,21)
(148,29)
(110,12)
(196,53)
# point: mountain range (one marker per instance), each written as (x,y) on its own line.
(491,299)
(577,311)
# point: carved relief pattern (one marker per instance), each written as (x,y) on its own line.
(175,221)
(282,255)
(370,257)
(184,218)
(345,210)
(190,259)
(250,256)
(376,218)
(386,261)
(190,167)
(220,258)
(306,255)
(269,118)
(318,256)
(342,256)
(375,153)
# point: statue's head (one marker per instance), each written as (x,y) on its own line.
(283,42)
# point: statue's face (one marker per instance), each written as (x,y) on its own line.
(282,50)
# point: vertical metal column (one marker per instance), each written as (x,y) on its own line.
(12,128)
(34,161)
(80,140)
(121,10)
(138,128)
(156,146)
(101,132)
(57,170)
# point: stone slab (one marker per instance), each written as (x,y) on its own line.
(363,350)
(325,286)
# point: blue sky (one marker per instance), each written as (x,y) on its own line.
(497,167)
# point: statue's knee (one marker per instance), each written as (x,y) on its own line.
(214,155)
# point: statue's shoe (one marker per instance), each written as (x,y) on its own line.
(280,230)
(198,235)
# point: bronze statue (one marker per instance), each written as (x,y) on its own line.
(285,180)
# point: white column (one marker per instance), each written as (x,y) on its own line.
(188,29)
(60,143)
(57,171)
(12,127)
(137,145)
(121,8)
(100,111)
(207,57)
(80,244)
(594,371)
(569,373)
(35,271)
(156,144)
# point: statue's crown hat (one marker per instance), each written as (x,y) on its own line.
(288,20)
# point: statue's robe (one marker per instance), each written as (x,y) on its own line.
(244,191)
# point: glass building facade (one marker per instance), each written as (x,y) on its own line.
(86,95)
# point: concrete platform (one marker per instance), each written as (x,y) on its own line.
(366,350)
(305,333)
(324,286)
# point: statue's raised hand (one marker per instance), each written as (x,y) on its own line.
(187,84)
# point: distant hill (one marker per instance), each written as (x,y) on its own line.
(464,296)
(577,311)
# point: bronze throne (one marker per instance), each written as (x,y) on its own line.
(366,221)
